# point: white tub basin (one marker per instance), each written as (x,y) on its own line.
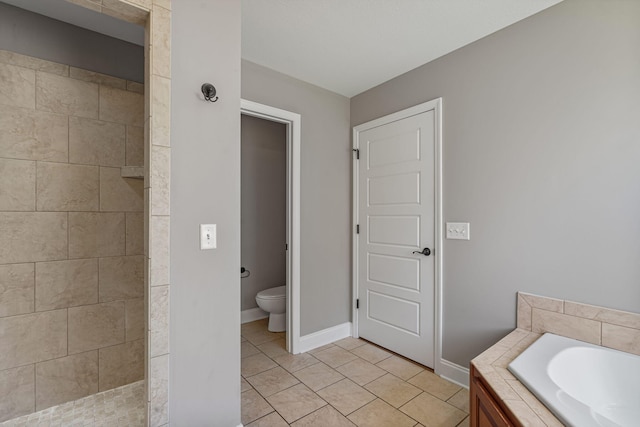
(583,384)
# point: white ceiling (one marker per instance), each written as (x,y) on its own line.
(349,46)
(346,46)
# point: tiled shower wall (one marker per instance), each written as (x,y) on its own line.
(72,318)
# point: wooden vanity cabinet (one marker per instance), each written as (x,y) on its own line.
(486,410)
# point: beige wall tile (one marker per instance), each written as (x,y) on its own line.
(13,58)
(65,95)
(32,236)
(135,325)
(544,303)
(159,254)
(135,146)
(96,234)
(159,390)
(146,222)
(93,77)
(524,314)
(94,142)
(160,180)
(161,34)
(621,338)
(121,364)
(33,135)
(163,3)
(17,392)
(134,18)
(120,194)
(121,106)
(608,315)
(124,11)
(567,326)
(65,379)
(135,87)
(65,187)
(17,86)
(121,278)
(159,320)
(62,284)
(143,4)
(147,154)
(33,338)
(96,326)
(16,289)
(160,111)
(89,4)
(18,185)
(135,233)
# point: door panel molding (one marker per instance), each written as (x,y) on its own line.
(434,106)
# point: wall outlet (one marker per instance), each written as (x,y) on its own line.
(458,230)
(207,236)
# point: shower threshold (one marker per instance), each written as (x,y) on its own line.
(122,406)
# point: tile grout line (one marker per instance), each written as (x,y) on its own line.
(315,392)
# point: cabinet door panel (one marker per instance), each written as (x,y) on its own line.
(485,412)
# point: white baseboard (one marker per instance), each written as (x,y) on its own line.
(324,337)
(252,314)
(454,373)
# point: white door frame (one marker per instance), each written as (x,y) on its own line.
(292,121)
(436,106)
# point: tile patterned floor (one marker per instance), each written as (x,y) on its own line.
(122,406)
(348,383)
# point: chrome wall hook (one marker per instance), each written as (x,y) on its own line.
(209,92)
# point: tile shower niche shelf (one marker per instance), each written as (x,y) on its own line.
(136,172)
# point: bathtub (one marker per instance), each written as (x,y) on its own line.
(582,384)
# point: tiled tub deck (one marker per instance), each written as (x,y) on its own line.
(536,315)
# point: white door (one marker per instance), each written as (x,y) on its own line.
(396,219)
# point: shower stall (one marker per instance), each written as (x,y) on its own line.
(73,259)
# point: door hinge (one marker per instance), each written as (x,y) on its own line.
(357,151)
(286,246)
(357,228)
(358,303)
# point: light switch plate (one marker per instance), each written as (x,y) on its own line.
(458,230)
(207,236)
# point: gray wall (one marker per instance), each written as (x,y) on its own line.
(325,211)
(36,35)
(264,206)
(542,156)
(205,188)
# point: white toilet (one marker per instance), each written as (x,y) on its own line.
(274,302)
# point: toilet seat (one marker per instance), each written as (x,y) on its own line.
(273,293)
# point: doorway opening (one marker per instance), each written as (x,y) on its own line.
(291,122)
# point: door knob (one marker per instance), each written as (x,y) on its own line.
(425,252)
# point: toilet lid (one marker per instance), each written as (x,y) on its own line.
(273,293)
